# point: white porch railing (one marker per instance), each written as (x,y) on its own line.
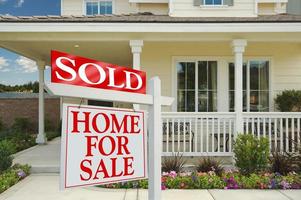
(213,133)
(282,129)
(198,134)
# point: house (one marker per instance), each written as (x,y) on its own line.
(224,61)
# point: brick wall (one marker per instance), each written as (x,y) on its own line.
(28,107)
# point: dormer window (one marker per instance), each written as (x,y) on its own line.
(213,2)
(102,7)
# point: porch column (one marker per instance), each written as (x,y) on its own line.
(136,47)
(238,50)
(41,138)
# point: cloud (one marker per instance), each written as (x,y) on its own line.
(27,65)
(3,1)
(19,3)
(4,64)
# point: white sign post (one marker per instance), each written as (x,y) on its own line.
(153,99)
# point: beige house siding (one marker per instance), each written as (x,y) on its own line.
(76,7)
(285,62)
(156,8)
(185,8)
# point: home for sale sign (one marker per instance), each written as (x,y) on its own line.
(102,145)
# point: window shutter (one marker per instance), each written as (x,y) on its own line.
(197,2)
(228,2)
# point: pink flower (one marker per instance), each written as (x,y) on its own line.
(172,174)
(165,174)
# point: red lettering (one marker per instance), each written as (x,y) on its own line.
(122,144)
(112,145)
(128,163)
(114,169)
(118,126)
(76,121)
(107,123)
(101,168)
(134,124)
(89,144)
(85,169)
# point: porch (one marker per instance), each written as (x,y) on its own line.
(213,134)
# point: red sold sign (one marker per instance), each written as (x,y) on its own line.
(75,70)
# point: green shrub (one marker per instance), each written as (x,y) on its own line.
(22,124)
(12,176)
(289,101)
(251,153)
(174,163)
(209,164)
(1,125)
(6,150)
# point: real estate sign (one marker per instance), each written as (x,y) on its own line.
(102,145)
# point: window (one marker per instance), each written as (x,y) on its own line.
(197,86)
(213,2)
(99,7)
(256,89)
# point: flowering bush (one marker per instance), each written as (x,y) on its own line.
(228,180)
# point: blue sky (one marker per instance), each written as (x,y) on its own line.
(15,69)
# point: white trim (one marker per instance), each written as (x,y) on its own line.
(153,27)
(62,7)
(213,5)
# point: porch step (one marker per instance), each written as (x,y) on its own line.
(45,169)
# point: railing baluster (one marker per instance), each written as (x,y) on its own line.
(224,133)
(230,135)
(258,127)
(207,138)
(179,132)
(196,134)
(167,135)
(173,135)
(281,135)
(190,139)
(293,134)
(270,133)
(286,135)
(263,126)
(218,135)
(201,136)
(275,136)
(212,134)
(253,126)
(184,134)
(298,132)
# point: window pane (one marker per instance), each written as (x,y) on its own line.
(254,78)
(105,7)
(202,101)
(212,101)
(263,101)
(92,8)
(186,86)
(264,75)
(218,2)
(231,76)
(254,99)
(209,2)
(212,75)
(231,101)
(202,75)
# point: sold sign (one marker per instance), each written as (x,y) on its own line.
(102,145)
(75,70)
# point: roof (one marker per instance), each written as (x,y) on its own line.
(148,18)
(23,95)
